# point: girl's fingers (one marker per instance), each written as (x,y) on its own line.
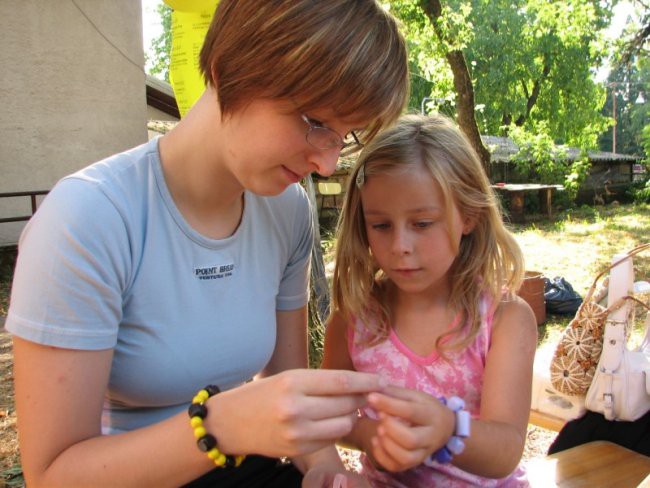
(403,393)
(406,436)
(403,457)
(418,411)
(382,457)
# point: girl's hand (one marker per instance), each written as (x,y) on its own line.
(291,413)
(319,477)
(412,425)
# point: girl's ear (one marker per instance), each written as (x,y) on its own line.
(468,225)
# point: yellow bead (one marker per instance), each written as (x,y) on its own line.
(239,460)
(221,460)
(199,431)
(214,453)
(196,422)
(203,394)
(197,399)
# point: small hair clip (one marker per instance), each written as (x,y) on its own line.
(361,177)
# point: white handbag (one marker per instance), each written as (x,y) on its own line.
(620,389)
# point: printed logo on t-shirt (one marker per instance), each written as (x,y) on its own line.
(216,272)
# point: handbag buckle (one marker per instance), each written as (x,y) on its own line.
(608,406)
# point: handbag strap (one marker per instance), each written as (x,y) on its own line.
(619,303)
(632,252)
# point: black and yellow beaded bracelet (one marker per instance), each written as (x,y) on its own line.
(207,443)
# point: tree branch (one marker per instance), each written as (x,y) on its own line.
(532,99)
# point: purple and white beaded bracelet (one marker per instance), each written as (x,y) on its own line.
(455,445)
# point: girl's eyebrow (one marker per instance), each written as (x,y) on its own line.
(431,208)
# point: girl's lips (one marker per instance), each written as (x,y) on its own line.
(406,271)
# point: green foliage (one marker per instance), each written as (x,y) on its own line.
(538,155)
(645,142)
(12,477)
(640,192)
(158,63)
(531,61)
(534,62)
(541,160)
(430,73)
(629,85)
(628,90)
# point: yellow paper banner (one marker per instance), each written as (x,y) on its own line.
(190,22)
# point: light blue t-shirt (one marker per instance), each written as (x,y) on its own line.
(108,261)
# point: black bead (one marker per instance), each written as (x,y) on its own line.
(206,442)
(212,390)
(230,462)
(197,410)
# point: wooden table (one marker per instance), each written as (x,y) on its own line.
(517,192)
(595,464)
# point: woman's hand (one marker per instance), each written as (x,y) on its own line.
(412,425)
(291,413)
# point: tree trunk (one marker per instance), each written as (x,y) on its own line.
(462,84)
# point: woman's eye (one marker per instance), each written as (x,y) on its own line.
(315,123)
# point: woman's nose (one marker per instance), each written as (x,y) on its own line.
(325,160)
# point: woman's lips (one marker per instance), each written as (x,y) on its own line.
(293,177)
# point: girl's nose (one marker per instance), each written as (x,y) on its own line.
(325,160)
(401,242)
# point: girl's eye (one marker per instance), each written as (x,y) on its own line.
(423,224)
(380,226)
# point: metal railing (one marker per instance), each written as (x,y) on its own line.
(31,194)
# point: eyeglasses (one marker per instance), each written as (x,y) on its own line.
(324,138)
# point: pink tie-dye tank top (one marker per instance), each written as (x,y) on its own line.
(461,375)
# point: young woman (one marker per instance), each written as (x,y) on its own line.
(184,263)
(424,295)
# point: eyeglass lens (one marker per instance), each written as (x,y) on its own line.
(324,138)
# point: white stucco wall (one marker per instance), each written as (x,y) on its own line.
(72,91)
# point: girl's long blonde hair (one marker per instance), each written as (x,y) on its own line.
(489,261)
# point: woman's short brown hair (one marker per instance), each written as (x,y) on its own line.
(347,55)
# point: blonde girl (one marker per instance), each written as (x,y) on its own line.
(424,294)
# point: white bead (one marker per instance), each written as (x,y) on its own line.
(455,403)
(455,445)
(463,421)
